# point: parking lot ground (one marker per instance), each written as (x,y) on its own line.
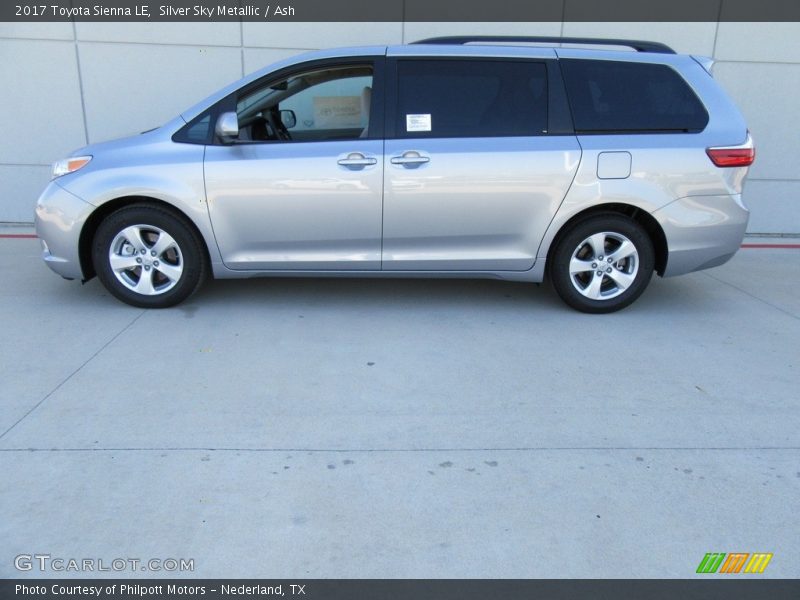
(308,428)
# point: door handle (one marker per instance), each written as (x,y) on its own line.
(410,160)
(356,160)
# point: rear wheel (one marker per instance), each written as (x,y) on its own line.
(148,257)
(602,263)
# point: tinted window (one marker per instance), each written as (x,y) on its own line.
(470,98)
(608,96)
(196,132)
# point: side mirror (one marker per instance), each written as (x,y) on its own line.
(288,118)
(227,127)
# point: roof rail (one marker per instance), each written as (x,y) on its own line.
(638,45)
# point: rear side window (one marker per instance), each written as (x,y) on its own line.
(629,97)
(471,98)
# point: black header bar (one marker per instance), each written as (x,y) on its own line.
(399,10)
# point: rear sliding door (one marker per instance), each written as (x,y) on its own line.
(477,161)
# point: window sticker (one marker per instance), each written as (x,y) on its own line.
(418,122)
(337,112)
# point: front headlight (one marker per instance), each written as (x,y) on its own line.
(69,165)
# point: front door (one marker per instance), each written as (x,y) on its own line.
(302,186)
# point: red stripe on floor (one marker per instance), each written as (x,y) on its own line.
(770,245)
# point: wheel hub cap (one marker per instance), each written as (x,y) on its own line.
(604,265)
(146,259)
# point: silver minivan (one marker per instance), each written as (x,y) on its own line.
(592,163)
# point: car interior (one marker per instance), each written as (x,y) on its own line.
(263,118)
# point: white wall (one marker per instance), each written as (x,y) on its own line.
(68,84)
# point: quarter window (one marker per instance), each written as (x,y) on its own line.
(471,98)
(630,97)
(198,132)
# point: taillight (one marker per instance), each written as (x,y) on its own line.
(733,156)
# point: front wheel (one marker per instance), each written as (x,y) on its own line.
(602,264)
(148,257)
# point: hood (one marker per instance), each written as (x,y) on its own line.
(150,136)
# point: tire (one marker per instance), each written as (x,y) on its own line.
(148,257)
(602,263)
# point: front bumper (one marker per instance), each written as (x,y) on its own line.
(702,231)
(60,216)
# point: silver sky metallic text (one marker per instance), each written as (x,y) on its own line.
(212,12)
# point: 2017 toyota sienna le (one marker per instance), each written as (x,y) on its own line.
(450,157)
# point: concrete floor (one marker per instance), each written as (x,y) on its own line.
(354,428)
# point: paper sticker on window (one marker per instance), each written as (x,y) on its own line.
(418,122)
(337,112)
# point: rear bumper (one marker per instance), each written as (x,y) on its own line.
(60,216)
(702,231)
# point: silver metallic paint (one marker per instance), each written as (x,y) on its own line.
(293,206)
(478,204)
(436,220)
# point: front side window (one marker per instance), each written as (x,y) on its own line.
(325,104)
(471,98)
(629,97)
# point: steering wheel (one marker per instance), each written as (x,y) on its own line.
(274,119)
